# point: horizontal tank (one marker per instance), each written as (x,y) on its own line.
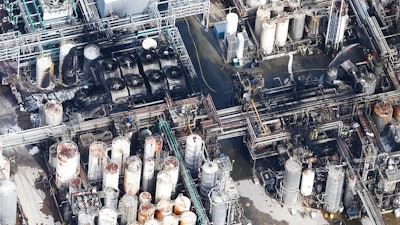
(53,113)
(157,81)
(109,68)
(90,55)
(163,186)
(118,90)
(193,152)
(281,33)
(382,114)
(44,72)
(68,163)
(136,85)
(334,189)
(149,61)
(307,182)
(128,206)
(8,202)
(167,57)
(111,175)
(97,160)
(175,78)
(132,175)
(120,151)
(128,65)
(267,37)
(108,216)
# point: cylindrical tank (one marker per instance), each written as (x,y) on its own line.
(307,182)
(218,207)
(53,156)
(188,218)
(193,152)
(133,223)
(164,207)
(145,197)
(267,37)
(152,222)
(299,20)
(44,72)
(111,175)
(181,204)
(208,177)
(8,202)
(368,84)
(383,113)
(171,167)
(74,185)
(85,218)
(232,20)
(331,75)
(263,14)
(175,78)
(350,191)
(68,161)
(334,189)
(146,212)
(121,148)
(128,206)
(170,220)
(342,28)
(97,159)
(65,67)
(111,197)
(313,25)
(108,216)
(53,113)
(149,148)
(109,68)
(91,53)
(5,166)
(157,81)
(148,175)
(132,176)
(291,182)
(281,33)
(149,43)
(163,187)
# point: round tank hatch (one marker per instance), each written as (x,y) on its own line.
(174,72)
(148,57)
(115,83)
(127,61)
(109,65)
(166,52)
(156,76)
(134,80)
(149,43)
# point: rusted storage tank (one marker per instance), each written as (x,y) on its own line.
(132,176)
(188,218)
(146,212)
(68,161)
(383,112)
(182,204)
(121,147)
(164,208)
(145,197)
(111,175)
(97,160)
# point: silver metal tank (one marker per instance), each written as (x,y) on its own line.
(97,160)
(67,76)
(111,175)
(109,68)
(218,204)
(68,163)
(334,189)
(149,148)
(108,216)
(157,81)
(171,167)
(298,22)
(267,38)
(208,177)
(291,182)
(44,72)
(85,218)
(164,208)
(282,26)
(149,61)
(136,85)
(118,90)
(128,206)
(167,57)
(132,175)
(152,222)
(188,218)
(8,202)
(148,175)
(74,185)
(163,187)
(111,197)
(120,150)
(175,78)
(128,65)
(90,53)
(145,197)
(307,182)
(146,212)
(193,152)
(170,220)
(181,204)
(53,113)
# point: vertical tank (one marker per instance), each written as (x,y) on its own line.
(267,37)
(291,182)
(146,212)
(68,163)
(193,152)
(208,177)
(232,20)
(90,53)
(8,202)
(53,156)
(170,220)
(53,113)
(298,22)
(188,218)
(282,26)
(132,176)
(240,46)
(163,186)
(342,28)
(121,147)
(157,81)
(263,14)
(145,197)
(74,185)
(159,146)
(313,23)
(382,114)
(128,206)
(149,148)
(307,182)
(111,197)
(148,175)
(331,75)
(350,191)
(171,167)
(368,83)
(44,72)
(97,159)
(85,219)
(181,204)
(67,76)
(218,207)
(164,208)
(334,189)
(108,216)
(5,166)
(110,175)
(152,222)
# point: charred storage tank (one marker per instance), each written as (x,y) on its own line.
(163,186)
(128,206)
(167,57)
(97,160)
(111,175)
(67,75)
(109,68)
(263,14)
(268,37)
(383,112)
(219,207)
(148,175)
(282,26)
(53,113)
(68,159)
(175,78)
(298,22)
(132,175)
(157,81)
(334,189)
(120,150)
(171,167)
(291,182)
(108,216)
(8,202)
(208,177)
(128,65)
(136,85)
(85,218)
(44,72)
(90,53)
(193,152)
(149,61)
(307,182)
(182,204)
(118,90)
(188,218)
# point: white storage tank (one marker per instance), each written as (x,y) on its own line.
(5,166)
(181,204)
(188,218)
(152,222)
(267,37)
(171,167)
(65,77)
(128,206)
(263,14)
(149,44)
(298,22)
(111,175)
(44,72)
(8,202)
(218,207)
(111,197)
(208,177)
(164,208)
(146,212)
(232,20)
(132,176)
(90,53)
(334,189)
(291,182)
(85,218)
(53,113)
(108,216)
(282,26)
(74,185)
(149,148)
(148,175)
(121,148)
(307,182)
(145,197)
(97,160)
(240,47)
(68,163)
(193,152)
(163,187)
(170,220)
